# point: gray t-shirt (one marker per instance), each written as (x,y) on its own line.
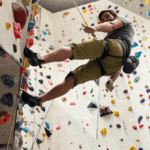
(126,32)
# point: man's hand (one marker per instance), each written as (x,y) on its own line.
(89,29)
(109,84)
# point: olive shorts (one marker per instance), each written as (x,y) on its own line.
(92,50)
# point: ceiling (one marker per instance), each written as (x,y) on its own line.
(59,5)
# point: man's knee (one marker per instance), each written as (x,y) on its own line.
(70,80)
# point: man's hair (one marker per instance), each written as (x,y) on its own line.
(110,11)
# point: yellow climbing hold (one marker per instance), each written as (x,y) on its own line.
(34,7)
(26,2)
(129,82)
(133,148)
(25,135)
(134,21)
(129,108)
(116,113)
(103,131)
(131,87)
(113,101)
(43,134)
(141,21)
(85,23)
(44,67)
(144,31)
(8,25)
(84,11)
(149,104)
(24,117)
(138,140)
(102,89)
(26,62)
(89,37)
(47,51)
(144,38)
(146,2)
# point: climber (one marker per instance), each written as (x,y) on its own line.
(118,41)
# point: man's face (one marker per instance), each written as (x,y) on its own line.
(107,17)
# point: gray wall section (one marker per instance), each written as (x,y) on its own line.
(134,6)
(59,5)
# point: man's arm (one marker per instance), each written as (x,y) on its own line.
(109,26)
(115,76)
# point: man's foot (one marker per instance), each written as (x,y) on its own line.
(32,101)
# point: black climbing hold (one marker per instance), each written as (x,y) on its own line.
(83,8)
(43,108)
(25,148)
(8,81)
(36,37)
(92,105)
(48,132)
(15,48)
(48,77)
(105,109)
(31,88)
(41,91)
(97,82)
(7,100)
(46,25)
(41,81)
(92,90)
(38,141)
(20,60)
(2,51)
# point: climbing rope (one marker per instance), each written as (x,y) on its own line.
(83,17)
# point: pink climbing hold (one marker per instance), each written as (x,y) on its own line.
(128,76)
(73,103)
(50,82)
(26,142)
(17,34)
(149,97)
(58,127)
(66,61)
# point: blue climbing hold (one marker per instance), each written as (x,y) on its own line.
(44,32)
(47,125)
(134,45)
(25,129)
(138,54)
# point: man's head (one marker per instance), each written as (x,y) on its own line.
(107,15)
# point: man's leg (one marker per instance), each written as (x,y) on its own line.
(59,90)
(58,55)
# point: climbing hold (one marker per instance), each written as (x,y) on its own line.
(138,54)
(31,88)
(25,135)
(43,134)
(125,91)
(38,110)
(84,11)
(131,87)
(48,132)
(133,148)
(92,105)
(103,131)
(38,141)
(142,101)
(109,6)
(118,126)
(129,108)
(44,32)
(29,42)
(41,81)
(139,119)
(138,140)
(5,118)
(59,65)
(31,111)
(64,99)
(8,25)
(134,45)
(43,108)
(47,51)
(117,11)
(121,139)
(141,95)
(116,113)
(8,81)
(7,100)
(113,101)
(69,122)
(58,127)
(136,79)
(110,126)
(17,34)
(141,125)
(73,103)
(47,125)
(134,127)
(129,82)
(116,7)
(25,129)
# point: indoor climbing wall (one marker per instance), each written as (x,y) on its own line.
(11,58)
(139,7)
(79,119)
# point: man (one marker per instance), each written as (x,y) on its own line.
(119,37)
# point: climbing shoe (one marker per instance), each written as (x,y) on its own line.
(32,101)
(33,59)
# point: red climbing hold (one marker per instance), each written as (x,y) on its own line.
(29,42)
(5,119)
(84,92)
(102,108)
(17,34)
(5,56)
(149,97)
(22,70)
(31,32)
(0,2)
(26,87)
(106,90)
(141,95)
(134,127)
(99,22)
(149,127)
(89,6)
(141,125)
